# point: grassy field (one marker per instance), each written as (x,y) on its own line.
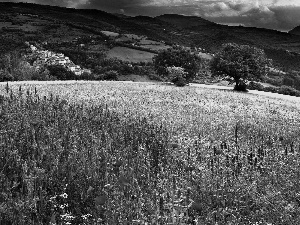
(130,55)
(142,153)
(110,34)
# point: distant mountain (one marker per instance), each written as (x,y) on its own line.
(121,15)
(185,21)
(20,22)
(295,31)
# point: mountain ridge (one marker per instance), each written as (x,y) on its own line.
(58,23)
(185,21)
(295,31)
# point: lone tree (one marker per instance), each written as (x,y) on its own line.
(239,64)
(177,57)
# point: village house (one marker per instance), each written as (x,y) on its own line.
(40,60)
(46,57)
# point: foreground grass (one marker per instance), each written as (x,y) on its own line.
(113,153)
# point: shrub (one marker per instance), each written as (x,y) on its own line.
(255,86)
(177,57)
(16,65)
(273,81)
(242,86)
(61,73)
(5,76)
(111,75)
(99,76)
(292,79)
(271,89)
(42,75)
(286,90)
(143,69)
(87,76)
(180,82)
(288,81)
(153,76)
(177,75)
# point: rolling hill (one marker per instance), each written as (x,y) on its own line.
(185,21)
(20,22)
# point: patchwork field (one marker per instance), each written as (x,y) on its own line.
(146,153)
(25,27)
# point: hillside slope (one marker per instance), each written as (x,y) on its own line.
(295,31)
(185,21)
(20,22)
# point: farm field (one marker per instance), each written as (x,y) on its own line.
(111,34)
(130,55)
(148,153)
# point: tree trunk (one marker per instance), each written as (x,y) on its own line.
(240,85)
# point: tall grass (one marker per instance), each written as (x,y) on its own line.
(99,162)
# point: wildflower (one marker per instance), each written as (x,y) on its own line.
(85,217)
(64,195)
(52,198)
(67,216)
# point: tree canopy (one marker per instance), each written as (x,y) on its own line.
(61,73)
(240,63)
(177,57)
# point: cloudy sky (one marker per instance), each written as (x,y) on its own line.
(275,14)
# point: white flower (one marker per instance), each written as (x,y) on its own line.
(85,217)
(64,195)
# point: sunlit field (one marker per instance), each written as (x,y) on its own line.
(143,153)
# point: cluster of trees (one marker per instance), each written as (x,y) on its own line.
(98,63)
(14,67)
(61,73)
(8,44)
(240,64)
(236,63)
(286,90)
(180,58)
(285,60)
(292,79)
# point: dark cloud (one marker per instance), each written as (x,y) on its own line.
(223,11)
(282,18)
(116,5)
(62,3)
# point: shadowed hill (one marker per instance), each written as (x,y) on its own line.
(185,21)
(295,31)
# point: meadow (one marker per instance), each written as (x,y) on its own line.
(130,55)
(146,153)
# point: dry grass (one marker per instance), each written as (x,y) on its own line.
(167,155)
